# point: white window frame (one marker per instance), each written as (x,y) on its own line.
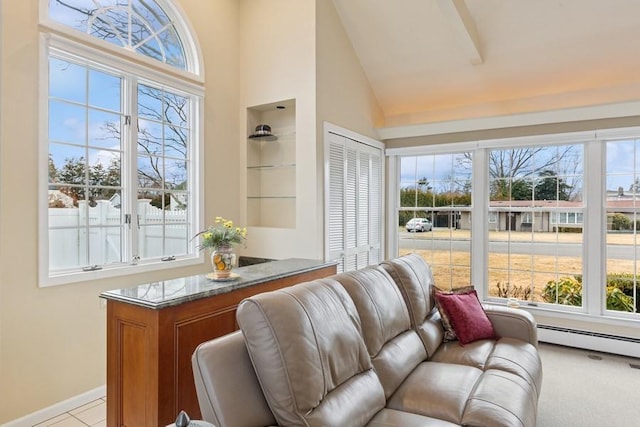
(93,50)
(594,243)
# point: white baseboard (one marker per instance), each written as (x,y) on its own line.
(58,408)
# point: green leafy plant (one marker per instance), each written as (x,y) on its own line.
(568,291)
(221,233)
(617,300)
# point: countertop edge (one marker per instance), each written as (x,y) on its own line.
(220,287)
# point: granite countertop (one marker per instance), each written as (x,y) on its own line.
(158,295)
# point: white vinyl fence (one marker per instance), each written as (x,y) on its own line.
(86,235)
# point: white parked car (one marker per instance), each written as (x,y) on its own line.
(419,224)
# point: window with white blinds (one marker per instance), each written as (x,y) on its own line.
(354,209)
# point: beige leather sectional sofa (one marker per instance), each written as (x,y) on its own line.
(366,348)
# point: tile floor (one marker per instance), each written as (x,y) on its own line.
(92,414)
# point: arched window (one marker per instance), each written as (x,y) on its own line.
(141,26)
(122,139)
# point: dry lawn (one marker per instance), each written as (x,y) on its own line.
(453,269)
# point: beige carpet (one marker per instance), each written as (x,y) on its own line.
(583,388)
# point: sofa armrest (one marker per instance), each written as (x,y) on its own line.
(226,384)
(513,323)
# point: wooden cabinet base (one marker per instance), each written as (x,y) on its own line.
(149,376)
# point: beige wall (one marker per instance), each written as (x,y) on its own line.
(277,63)
(344,96)
(53,339)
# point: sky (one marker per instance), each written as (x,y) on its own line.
(622,166)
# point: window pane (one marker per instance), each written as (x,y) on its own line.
(83,232)
(104,129)
(67,122)
(151,48)
(173,48)
(149,137)
(163,170)
(175,174)
(141,33)
(622,226)
(84,198)
(175,144)
(151,13)
(105,168)
(150,102)
(535,242)
(67,81)
(105,90)
(63,159)
(73,13)
(149,172)
(66,249)
(432,222)
(177,109)
(163,224)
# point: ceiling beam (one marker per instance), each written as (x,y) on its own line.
(464,28)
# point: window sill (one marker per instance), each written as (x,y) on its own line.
(116,271)
(563,316)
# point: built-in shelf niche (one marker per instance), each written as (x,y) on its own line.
(271,165)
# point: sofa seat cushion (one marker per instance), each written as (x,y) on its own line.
(519,358)
(393,418)
(306,347)
(501,399)
(506,354)
(473,354)
(464,395)
(437,390)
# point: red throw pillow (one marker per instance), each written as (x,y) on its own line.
(467,317)
(449,333)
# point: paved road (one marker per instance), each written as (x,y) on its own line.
(539,248)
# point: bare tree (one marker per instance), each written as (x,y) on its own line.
(511,165)
(115,26)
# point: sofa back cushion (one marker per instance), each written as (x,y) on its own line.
(311,361)
(413,277)
(395,349)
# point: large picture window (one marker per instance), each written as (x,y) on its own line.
(122,143)
(544,230)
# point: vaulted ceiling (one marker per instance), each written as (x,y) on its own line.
(438,60)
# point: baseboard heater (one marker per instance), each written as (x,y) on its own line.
(626,346)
